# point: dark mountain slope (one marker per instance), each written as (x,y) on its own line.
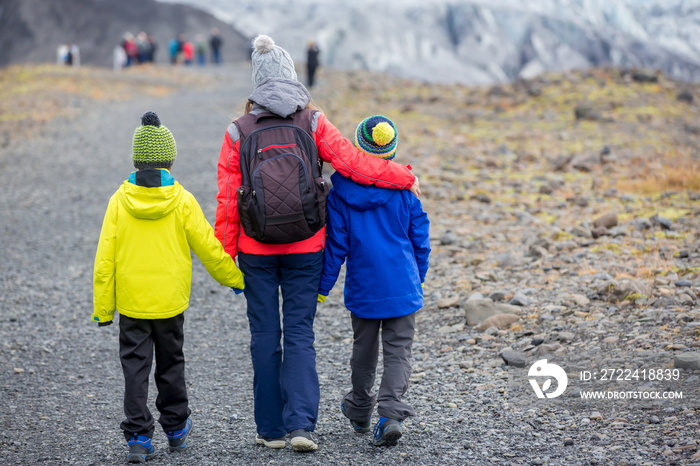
(31,30)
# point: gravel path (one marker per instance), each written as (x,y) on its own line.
(61,382)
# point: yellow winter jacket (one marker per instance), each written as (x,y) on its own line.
(143,265)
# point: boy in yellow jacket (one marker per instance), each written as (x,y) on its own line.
(143,269)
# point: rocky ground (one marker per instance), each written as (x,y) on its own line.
(564,224)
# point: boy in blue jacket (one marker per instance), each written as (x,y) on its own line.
(383,235)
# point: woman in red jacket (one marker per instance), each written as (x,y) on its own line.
(285,385)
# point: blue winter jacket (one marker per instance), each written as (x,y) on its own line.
(383,234)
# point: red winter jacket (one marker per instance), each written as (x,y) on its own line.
(333,148)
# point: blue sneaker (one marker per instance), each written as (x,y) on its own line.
(387,432)
(140,449)
(360,427)
(177,439)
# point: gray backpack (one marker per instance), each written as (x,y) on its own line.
(282,198)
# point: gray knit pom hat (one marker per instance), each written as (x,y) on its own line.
(270,61)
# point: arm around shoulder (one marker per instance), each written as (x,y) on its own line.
(351,163)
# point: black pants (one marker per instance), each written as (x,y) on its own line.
(137,340)
(397,338)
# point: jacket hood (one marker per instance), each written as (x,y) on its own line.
(281,96)
(358,196)
(149,203)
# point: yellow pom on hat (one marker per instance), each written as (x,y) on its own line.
(383,133)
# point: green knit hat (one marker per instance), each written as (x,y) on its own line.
(154,146)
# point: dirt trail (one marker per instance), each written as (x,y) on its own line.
(61,382)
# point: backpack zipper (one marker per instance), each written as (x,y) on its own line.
(248,138)
(274,146)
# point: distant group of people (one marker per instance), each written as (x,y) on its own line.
(142,48)
(183,51)
(139,49)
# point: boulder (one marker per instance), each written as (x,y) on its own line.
(452,301)
(608,220)
(689,360)
(499,321)
(514,358)
(478,310)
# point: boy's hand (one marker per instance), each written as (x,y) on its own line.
(321,298)
(104,324)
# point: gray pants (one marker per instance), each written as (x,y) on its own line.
(397,338)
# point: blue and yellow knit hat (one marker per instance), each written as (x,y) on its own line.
(377,136)
(154,146)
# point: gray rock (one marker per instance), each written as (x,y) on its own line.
(585,111)
(510,260)
(597,232)
(519,299)
(536,251)
(581,231)
(498,321)
(448,238)
(514,358)
(642,224)
(663,222)
(580,300)
(565,336)
(689,360)
(643,76)
(547,348)
(685,96)
(607,220)
(683,283)
(498,295)
(625,288)
(618,231)
(477,310)
(452,301)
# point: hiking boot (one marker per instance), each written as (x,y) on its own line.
(360,427)
(278,442)
(387,432)
(302,441)
(177,439)
(140,449)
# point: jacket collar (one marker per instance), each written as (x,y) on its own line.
(152,178)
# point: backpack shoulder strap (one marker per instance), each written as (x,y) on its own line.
(245,125)
(303,119)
